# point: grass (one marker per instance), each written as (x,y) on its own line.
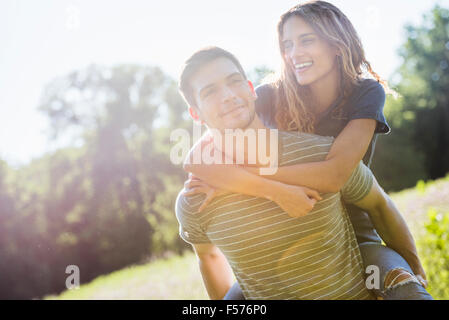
(179,278)
(414,203)
(175,278)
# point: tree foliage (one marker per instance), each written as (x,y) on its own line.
(418,147)
(104,204)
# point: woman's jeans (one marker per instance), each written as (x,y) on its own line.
(373,254)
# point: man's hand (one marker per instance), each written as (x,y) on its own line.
(296,201)
(421,275)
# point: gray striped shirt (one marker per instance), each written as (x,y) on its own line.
(275,256)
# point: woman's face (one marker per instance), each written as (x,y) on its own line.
(310,57)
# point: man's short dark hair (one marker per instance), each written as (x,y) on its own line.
(195,62)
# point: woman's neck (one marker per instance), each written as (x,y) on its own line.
(325,91)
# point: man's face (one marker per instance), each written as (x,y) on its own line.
(224,99)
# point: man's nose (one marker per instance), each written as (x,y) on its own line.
(227,94)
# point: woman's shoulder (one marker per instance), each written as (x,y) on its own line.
(265,103)
(265,90)
(369,86)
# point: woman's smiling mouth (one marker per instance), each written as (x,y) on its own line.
(301,67)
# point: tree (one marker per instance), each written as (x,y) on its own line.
(424,86)
(104,202)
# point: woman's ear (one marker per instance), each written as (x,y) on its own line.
(251,86)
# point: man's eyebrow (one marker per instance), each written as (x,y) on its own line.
(211,85)
(206,87)
(234,74)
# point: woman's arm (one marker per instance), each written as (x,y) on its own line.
(295,200)
(330,175)
(325,176)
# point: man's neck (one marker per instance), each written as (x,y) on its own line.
(248,150)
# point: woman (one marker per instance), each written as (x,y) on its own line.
(321,90)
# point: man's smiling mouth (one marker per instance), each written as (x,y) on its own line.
(230,111)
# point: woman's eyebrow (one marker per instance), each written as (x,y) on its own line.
(300,36)
(306,34)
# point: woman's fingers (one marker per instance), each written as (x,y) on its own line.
(209,196)
(194,191)
(313,194)
(194,183)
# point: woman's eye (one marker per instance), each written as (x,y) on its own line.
(287,45)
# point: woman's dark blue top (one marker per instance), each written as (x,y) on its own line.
(366,102)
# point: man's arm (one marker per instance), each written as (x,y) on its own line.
(391,226)
(216,272)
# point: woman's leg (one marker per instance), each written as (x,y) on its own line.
(397,281)
(235,293)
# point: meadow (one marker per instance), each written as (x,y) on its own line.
(425,208)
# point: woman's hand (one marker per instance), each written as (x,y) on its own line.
(195,185)
(295,200)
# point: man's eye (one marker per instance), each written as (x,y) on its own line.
(209,92)
(307,41)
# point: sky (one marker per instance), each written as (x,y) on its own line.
(46,39)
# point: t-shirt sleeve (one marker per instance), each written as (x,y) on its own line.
(265,107)
(370,105)
(188,218)
(358,185)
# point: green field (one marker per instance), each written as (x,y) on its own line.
(179,277)
(173,278)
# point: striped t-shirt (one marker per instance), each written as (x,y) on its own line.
(275,256)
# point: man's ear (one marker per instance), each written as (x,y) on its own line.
(251,86)
(195,115)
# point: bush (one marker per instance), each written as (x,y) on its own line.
(434,250)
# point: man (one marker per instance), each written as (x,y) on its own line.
(274,252)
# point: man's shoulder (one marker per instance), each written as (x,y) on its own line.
(188,204)
(307,138)
(298,147)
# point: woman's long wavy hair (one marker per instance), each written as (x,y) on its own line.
(294,102)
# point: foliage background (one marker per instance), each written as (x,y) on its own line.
(107,202)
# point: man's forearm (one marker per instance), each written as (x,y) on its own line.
(394,231)
(217,275)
